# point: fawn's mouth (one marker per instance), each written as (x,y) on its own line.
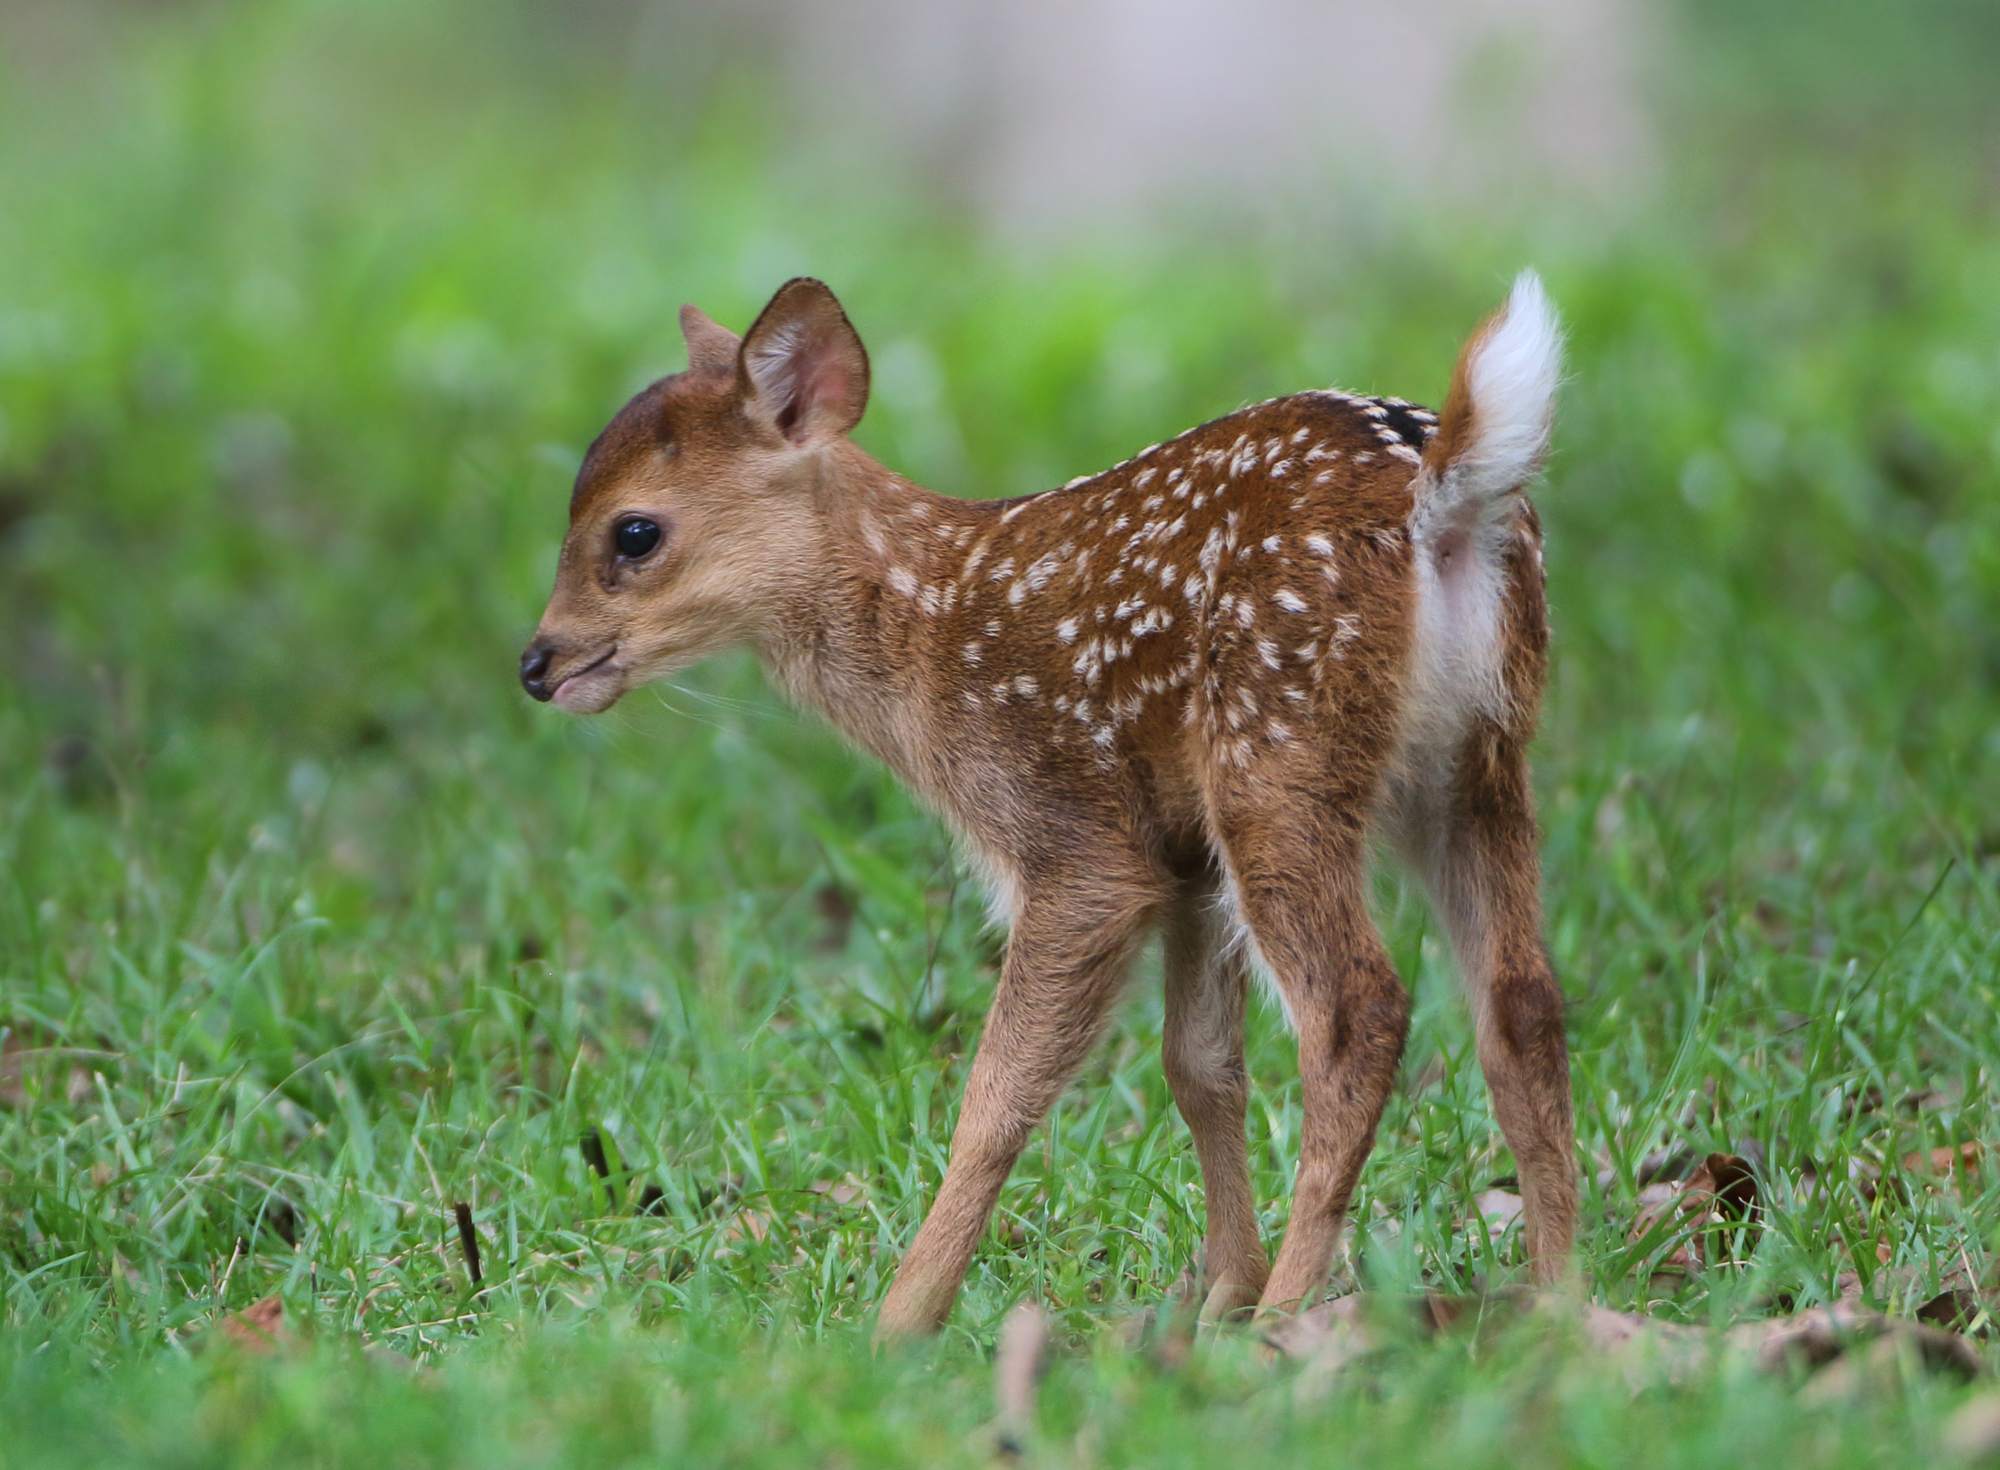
(591,689)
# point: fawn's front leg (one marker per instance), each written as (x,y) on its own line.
(1066,957)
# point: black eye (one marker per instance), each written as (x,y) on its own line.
(635,536)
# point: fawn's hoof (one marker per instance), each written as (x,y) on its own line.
(1228,1301)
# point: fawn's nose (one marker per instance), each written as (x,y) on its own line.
(534,670)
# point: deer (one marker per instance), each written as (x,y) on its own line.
(1190,696)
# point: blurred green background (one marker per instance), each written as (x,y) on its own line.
(307,311)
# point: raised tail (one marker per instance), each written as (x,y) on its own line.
(1494,432)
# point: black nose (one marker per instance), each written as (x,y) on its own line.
(535,664)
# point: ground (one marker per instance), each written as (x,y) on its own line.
(312,927)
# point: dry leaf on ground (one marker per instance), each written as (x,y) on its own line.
(1499,1208)
(1818,1335)
(1863,1175)
(1721,1192)
(1959,1170)
(31,1072)
(1333,1334)
(841,1192)
(1973,1433)
(259,1329)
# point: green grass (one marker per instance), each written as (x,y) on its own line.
(305,315)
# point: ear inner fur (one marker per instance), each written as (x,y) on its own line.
(802,366)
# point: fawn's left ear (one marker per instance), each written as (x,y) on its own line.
(712,347)
(803,369)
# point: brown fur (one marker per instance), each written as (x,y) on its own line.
(1174,695)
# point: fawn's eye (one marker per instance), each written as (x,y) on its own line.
(635,536)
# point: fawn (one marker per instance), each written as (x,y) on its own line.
(1183,693)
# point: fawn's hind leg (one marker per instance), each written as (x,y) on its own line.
(1300,866)
(1473,838)
(1207,984)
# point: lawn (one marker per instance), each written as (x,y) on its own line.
(313,928)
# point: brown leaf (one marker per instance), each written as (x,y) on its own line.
(1339,1327)
(843,1192)
(1334,1333)
(1973,1433)
(1954,1309)
(1325,1339)
(1644,1350)
(259,1329)
(1957,1167)
(1498,1208)
(28,1073)
(1722,1191)
(1863,1174)
(1730,1179)
(1821,1334)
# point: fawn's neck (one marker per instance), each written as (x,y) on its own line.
(851,640)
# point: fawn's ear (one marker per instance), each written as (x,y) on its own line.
(803,369)
(712,348)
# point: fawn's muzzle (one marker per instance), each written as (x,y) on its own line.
(534,670)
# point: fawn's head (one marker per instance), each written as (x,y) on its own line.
(695,513)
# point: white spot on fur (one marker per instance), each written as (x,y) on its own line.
(1289,600)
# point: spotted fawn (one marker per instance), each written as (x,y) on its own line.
(1187,694)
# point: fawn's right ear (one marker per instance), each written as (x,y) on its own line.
(803,369)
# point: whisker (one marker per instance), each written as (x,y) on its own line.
(672,708)
(742,706)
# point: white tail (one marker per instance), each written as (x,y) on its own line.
(1495,432)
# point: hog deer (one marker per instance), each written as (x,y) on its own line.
(1187,693)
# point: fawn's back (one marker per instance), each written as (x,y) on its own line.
(1082,656)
